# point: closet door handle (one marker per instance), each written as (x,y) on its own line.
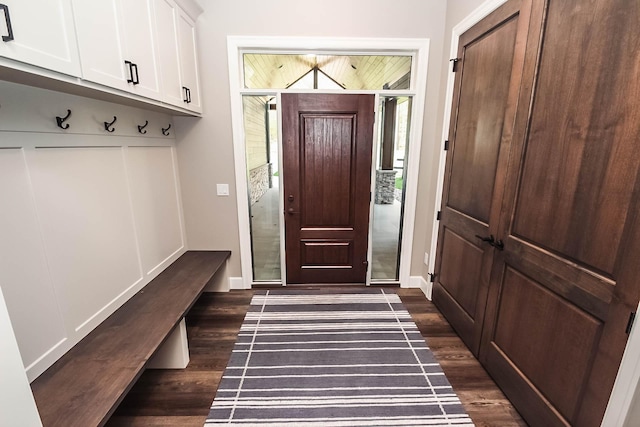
(137,78)
(7,19)
(498,244)
(130,65)
(488,239)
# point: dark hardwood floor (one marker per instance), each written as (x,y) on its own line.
(182,397)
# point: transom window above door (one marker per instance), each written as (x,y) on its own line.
(311,71)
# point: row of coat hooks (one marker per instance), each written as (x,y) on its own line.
(108,126)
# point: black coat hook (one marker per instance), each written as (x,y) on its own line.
(165,132)
(61,120)
(141,127)
(108,126)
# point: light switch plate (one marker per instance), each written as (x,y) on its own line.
(223,189)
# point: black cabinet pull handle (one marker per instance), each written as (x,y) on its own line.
(133,77)
(499,245)
(186,96)
(189,96)
(137,79)
(130,65)
(488,239)
(7,19)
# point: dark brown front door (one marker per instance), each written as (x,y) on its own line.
(327,143)
(487,80)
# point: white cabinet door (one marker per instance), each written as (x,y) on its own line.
(138,36)
(101,49)
(41,33)
(168,54)
(189,61)
(117,45)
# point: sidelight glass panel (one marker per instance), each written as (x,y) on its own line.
(261,144)
(353,72)
(388,209)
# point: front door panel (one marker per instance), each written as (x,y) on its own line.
(327,143)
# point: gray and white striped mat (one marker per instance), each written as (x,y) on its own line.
(316,359)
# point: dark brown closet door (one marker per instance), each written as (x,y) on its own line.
(487,80)
(563,289)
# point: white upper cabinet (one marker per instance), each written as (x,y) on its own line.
(168,56)
(189,61)
(40,33)
(101,49)
(141,50)
(141,45)
(177,54)
(117,44)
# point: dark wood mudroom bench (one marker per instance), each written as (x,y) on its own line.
(85,386)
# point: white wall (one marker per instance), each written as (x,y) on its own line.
(633,417)
(88,217)
(205,149)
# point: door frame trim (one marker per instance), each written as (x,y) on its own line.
(418,48)
(625,396)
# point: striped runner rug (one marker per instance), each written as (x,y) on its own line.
(306,358)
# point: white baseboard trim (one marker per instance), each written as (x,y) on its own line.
(237,283)
(420,282)
(414,282)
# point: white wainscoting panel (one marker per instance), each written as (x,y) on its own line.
(87,217)
(17,406)
(156,204)
(37,321)
(88,228)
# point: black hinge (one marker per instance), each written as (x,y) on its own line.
(446,145)
(439,215)
(632,317)
(432,277)
(455,61)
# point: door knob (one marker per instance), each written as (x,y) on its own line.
(290,197)
(291,211)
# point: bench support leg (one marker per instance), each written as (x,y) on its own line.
(174,353)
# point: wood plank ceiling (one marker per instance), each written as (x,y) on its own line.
(356,72)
